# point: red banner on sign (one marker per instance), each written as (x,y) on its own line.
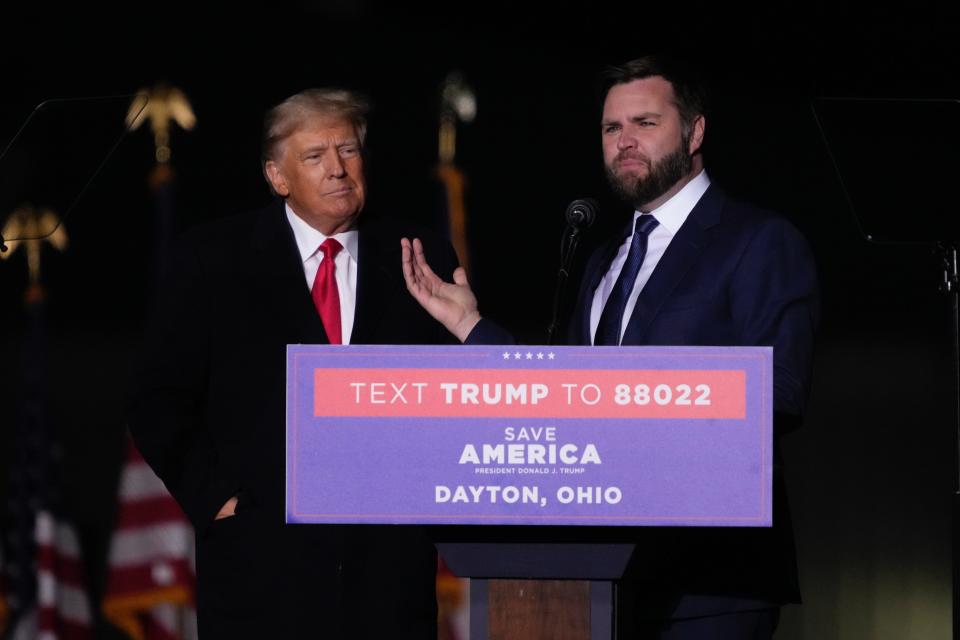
(491,393)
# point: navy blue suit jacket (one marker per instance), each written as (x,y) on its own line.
(733,275)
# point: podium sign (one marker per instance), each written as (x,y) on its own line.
(598,436)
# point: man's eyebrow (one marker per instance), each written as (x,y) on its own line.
(314,147)
(322,146)
(633,118)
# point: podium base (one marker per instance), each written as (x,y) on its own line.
(541,609)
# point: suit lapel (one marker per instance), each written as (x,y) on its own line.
(593,274)
(376,284)
(680,256)
(279,277)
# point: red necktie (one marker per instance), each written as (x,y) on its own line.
(326,296)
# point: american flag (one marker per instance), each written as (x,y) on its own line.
(59,608)
(150,590)
(150,581)
(42,572)
(63,610)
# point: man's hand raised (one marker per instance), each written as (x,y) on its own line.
(450,303)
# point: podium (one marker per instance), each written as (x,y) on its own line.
(563,591)
(531,467)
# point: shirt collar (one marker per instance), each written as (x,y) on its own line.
(673,213)
(309,239)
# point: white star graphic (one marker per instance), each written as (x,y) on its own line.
(540,356)
(529,356)
(551,356)
(506,355)
(517,355)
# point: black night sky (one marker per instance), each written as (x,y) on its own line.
(872,472)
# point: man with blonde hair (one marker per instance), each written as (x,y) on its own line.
(208,408)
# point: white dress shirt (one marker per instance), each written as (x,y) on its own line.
(671,215)
(345,263)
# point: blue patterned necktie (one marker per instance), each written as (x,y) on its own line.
(608,330)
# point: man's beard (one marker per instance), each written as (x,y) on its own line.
(661,176)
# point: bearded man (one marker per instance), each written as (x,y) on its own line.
(691,266)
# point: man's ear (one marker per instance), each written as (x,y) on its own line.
(275,177)
(696,135)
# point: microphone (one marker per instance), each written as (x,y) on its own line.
(582,213)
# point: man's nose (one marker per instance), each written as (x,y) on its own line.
(333,165)
(626,140)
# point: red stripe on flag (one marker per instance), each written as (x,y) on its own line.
(149,511)
(146,577)
(66,569)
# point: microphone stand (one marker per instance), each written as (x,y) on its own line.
(951,286)
(568,247)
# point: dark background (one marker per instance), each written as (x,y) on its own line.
(871,474)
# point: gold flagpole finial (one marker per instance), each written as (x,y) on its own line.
(457,104)
(165,104)
(33,228)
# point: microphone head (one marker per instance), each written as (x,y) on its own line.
(582,213)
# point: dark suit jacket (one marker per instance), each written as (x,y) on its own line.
(208,414)
(732,275)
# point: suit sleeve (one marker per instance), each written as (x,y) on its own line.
(774,301)
(167,402)
(489,332)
